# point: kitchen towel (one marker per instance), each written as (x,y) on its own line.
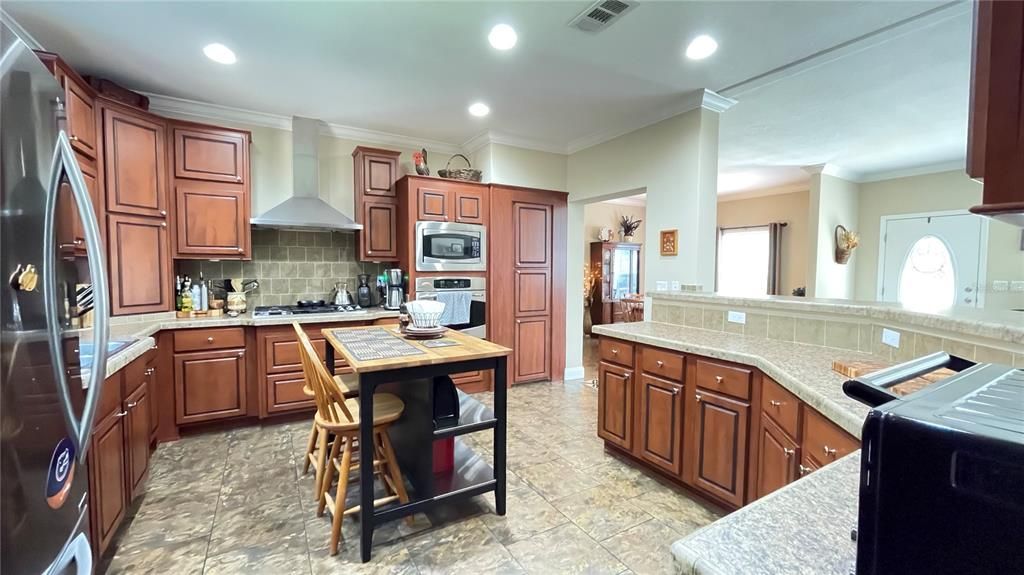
(456,307)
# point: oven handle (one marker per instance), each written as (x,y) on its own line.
(872,389)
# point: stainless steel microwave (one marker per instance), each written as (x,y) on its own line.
(449,247)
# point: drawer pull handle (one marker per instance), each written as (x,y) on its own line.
(163,213)
(210,339)
(804,470)
(788,451)
(775,403)
(122,414)
(675,391)
(615,351)
(718,379)
(73,138)
(241,354)
(660,363)
(830,451)
(238,178)
(132,404)
(163,224)
(698,397)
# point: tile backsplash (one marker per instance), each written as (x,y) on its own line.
(291,265)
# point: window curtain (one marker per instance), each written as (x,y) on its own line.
(775,258)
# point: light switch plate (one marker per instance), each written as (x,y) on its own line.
(1017,285)
(1000,285)
(890,337)
(676,286)
(736,317)
(661,285)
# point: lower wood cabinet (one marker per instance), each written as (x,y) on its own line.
(108,489)
(137,432)
(777,460)
(615,405)
(661,424)
(717,445)
(209,385)
(532,360)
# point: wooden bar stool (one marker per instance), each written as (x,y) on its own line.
(339,416)
(315,453)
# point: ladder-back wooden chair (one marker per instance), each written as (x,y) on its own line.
(339,416)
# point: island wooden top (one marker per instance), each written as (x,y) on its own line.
(469,348)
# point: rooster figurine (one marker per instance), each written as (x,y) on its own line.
(420,161)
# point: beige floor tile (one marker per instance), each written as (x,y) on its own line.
(645,548)
(565,549)
(601,513)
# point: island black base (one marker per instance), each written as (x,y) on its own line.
(471,475)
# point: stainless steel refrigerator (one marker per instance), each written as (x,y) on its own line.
(52,367)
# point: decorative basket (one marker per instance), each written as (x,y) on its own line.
(468,173)
(425,313)
(842,254)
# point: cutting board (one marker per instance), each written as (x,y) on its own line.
(852,368)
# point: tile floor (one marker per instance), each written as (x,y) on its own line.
(237,502)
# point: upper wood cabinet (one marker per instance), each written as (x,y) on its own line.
(211,154)
(995,146)
(135,156)
(141,278)
(470,206)
(532,234)
(81,114)
(449,201)
(432,203)
(212,220)
(376,196)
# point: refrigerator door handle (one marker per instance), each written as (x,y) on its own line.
(64,162)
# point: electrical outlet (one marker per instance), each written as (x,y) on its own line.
(890,337)
(1000,285)
(1017,285)
(676,286)
(736,317)
(661,285)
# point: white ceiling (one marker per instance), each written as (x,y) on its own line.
(412,68)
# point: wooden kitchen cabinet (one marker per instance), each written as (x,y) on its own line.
(209,385)
(615,395)
(449,201)
(212,220)
(79,105)
(210,154)
(280,367)
(432,203)
(376,202)
(135,160)
(141,276)
(716,445)
(108,490)
(822,441)
(138,407)
(533,350)
(778,458)
(469,205)
(995,149)
(661,423)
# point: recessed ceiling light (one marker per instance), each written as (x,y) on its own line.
(219,53)
(701,47)
(479,109)
(502,37)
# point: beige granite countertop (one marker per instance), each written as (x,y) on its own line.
(805,370)
(142,328)
(1004,325)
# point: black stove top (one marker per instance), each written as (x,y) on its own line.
(304,308)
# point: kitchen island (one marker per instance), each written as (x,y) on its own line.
(382,356)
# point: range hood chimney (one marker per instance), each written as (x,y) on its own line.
(305,210)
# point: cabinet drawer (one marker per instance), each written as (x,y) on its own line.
(662,363)
(734,381)
(823,441)
(780,406)
(617,351)
(285,393)
(207,339)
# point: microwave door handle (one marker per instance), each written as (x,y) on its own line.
(64,162)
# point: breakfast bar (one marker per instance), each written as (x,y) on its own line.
(383,356)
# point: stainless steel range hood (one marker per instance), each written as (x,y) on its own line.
(305,210)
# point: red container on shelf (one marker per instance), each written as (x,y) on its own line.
(444,455)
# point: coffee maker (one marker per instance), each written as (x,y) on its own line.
(396,288)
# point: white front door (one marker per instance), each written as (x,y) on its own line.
(932,262)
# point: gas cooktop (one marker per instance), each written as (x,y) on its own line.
(305,307)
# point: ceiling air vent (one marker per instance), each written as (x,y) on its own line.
(600,15)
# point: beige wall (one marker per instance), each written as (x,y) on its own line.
(528,168)
(832,202)
(930,193)
(791,208)
(602,214)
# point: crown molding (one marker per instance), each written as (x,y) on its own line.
(22,33)
(762,192)
(186,109)
(950,166)
(697,99)
(813,169)
(473,144)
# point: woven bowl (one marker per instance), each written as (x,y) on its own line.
(425,312)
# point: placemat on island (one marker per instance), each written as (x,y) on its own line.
(374,343)
(443,342)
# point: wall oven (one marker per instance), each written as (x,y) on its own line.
(449,247)
(445,289)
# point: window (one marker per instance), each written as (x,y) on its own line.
(927,280)
(743,257)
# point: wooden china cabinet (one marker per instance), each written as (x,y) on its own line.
(619,264)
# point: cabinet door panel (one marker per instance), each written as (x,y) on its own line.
(533,292)
(108,493)
(470,207)
(380,174)
(137,438)
(380,230)
(718,445)
(211,155)
(209,385)
(81,114)
(533,350)
(212,220)
(661,423)
(432,204)
(135,156)
(777,458)
(615,405)
(139,265)
(533,234)
(284,393)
